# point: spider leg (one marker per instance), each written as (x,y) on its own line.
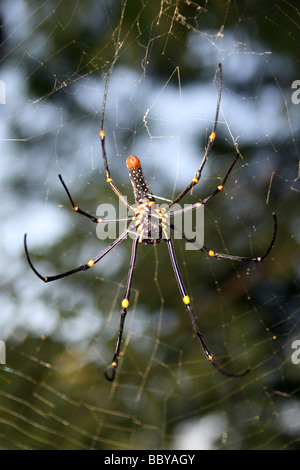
(109,179)
(216,191)
(188,307)
(211,140)
(221,186)
(83,267)
(110,370)
(97,220)
(214,254)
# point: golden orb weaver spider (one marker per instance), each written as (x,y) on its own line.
(149,220)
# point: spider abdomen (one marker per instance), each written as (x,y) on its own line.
(141,189)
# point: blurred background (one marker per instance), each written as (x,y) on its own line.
(161,106)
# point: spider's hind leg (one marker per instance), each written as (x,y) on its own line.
(188,307)
(110,370)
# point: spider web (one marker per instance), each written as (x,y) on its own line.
(161,105)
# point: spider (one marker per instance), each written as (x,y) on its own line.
(149,225)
